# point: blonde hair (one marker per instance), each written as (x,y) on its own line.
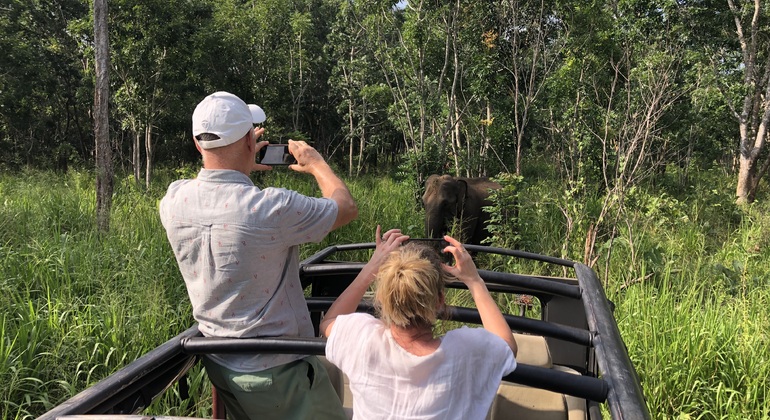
(409,287)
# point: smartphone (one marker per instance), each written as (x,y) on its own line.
(276,154)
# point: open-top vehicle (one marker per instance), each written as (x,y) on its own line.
(573,363)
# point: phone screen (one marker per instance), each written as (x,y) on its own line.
(276,154)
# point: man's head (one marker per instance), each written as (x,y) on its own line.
(222,118)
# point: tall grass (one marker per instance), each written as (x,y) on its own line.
(689,274)
(77,305)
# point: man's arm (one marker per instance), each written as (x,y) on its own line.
(310,161)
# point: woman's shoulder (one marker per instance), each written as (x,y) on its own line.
(358,316)
(478,341)
(351,330)
(476,337)
(357,320)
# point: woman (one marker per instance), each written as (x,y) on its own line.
(396,366)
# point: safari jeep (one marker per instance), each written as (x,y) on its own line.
(573,363)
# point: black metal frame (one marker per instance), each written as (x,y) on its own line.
(135,386)
(577,323)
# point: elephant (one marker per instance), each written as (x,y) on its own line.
(449,198)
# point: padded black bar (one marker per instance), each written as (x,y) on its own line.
(332,268)
(552,380)
(519,254)
(534,283)
(318,304)
(470,315)
(614,363)
(561,382)
(527,325)
(321,255)
(286,345)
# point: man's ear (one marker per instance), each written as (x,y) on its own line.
(250,145)
(197,146)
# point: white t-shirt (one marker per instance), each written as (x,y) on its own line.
(457,381)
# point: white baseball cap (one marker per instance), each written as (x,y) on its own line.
(226,116)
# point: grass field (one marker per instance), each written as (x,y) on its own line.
(689,273)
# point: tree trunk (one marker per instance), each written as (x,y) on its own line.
(150,151)
(746,171)
(487,139)
(104,170)
(754,115)
(351,127)
(361,147)
(136,157)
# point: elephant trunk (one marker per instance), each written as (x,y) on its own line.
(434,225)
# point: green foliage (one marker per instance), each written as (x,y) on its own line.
(44,98)
(504,220)
(698,353)
(420,164)
(687,270)
(428,88)
(381,90)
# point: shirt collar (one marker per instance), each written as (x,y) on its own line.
(224,176)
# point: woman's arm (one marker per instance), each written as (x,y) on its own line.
(348,301)
(465,270)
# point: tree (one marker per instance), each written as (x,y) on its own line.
(155,42)
(609,105)
(104,171)
(751,106)
(532,48)
(349,80)
(43,91)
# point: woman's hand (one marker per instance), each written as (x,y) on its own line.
(386,244)
(464,269)
(348,301)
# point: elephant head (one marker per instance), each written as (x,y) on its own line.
(449,199)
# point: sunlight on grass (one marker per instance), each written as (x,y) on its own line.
(690,276)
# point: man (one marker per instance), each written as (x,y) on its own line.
(237,249)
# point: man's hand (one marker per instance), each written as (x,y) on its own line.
(307,157)
(310,161)
(258,132)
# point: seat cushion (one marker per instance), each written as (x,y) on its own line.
(533,350)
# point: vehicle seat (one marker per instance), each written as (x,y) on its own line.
(340,383)
(533,350)
(515,401)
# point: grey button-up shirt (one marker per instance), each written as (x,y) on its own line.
(237,248)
